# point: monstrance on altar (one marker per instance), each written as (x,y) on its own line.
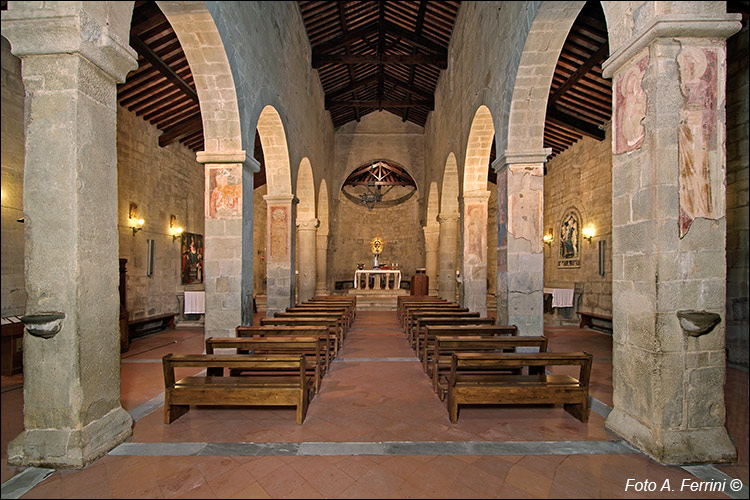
(376,245)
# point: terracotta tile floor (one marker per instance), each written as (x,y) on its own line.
(370,397)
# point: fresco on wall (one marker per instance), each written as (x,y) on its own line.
(476,237)
(630,107)
(697,134)
(570,240)
(224,192)
(192,258)
(278,233)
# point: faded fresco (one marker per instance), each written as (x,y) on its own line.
(526,206)
(278,233)
(630,107)
(476,240)
(502,208)
(697,135)
(224,192)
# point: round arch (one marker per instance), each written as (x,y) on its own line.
(478,148)
(449,196)
(305,191)
(275,151)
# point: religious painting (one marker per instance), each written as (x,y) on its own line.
(278,223)
(630,107)
(699,158)
(570,240)
(192,258)
(476,241)
(223,192)
(526,204)
(502,208)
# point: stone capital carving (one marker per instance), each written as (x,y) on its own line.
(431,230)
(65,30)
(308,224)
(221,157)
(521,158)
(448,218)
(280,198)
(477,195)
(672,26)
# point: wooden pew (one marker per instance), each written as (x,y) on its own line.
(446,346)
(332,322)
(432,330)
(419,318)
(263,388)
(483,385)
(422,301)
(343,310)
(336,299)
(341,323)
(411,310)
(311,347)
(324,332)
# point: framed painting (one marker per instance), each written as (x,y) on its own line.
(192,258)
(570,240)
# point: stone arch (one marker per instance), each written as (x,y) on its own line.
(433,204)
(449,241)
(431,238)
(321,250)
(473,292)
(306,229)
(275,152)
(478,148)
(200,40)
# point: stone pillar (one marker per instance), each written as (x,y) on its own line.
(227,186)
(307,261)
(668,237)
(321,256)
(431,239)
(520,250)
(280,238)
(448,256)
(474,269)
(72,60)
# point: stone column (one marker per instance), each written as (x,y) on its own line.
(474,271)
(307,261)
(520,250)
(72,61)
(668,237)
(448,256)
(431,239)
(228,185)
(280,242)
(321,256)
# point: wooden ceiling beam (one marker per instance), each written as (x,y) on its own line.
(340,41)
(582,127)
(428,103)
(415,39)
(181,129)
(435,60)
(156,61)
(596,58)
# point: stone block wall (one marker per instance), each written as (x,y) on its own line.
(161,182)
(259,240)
(581,177)
(12,238)
(737,198)
(397,226)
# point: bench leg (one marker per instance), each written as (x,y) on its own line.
(173,412)
(452,408)
(302,406)
(579,411)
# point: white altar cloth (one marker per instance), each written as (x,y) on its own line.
(378,273)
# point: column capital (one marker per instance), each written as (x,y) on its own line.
(477,195)
(64,30)
(538,157)
(672,26)
(448,218)
(280,198)
(220,157)
(431,230)
(308,224)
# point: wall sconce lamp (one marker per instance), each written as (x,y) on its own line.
(548,238)
(174,229)
(588,233)
(137,225)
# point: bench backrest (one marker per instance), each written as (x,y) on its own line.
(445,345)
(452,326)
(244,361)
(504,361)
(307,344)
(249,331)
(301,320)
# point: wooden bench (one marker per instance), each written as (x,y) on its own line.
(403,301)
(446,346)
(263,389)
(12,345)
(455,329)
(410,311)
(144,326)
(311,347)
(404,307)
(324,332)
(587,319)
(336,298)
(473,379)
(343,310)
(341,321)
(419,319)
(332,322)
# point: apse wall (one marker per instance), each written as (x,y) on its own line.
(379,135)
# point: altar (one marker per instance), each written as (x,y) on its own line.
(378,274)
